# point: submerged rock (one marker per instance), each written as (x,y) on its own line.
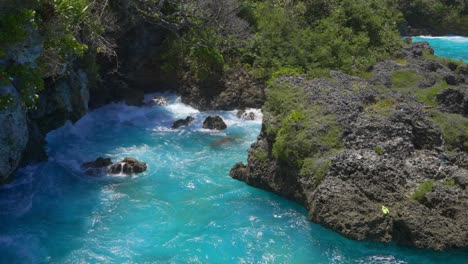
(101,166)
(183,122)
(214,123)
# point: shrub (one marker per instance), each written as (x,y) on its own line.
(420,193)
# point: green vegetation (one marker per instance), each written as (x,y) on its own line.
(273,37)
(454,129)
(305,138)
(260,154)
(428,95)
(405,78)
(317,167)
(68,29)
(441,16)
(379,151)
(420,193)
(451,63)
(450,183)
(382,107)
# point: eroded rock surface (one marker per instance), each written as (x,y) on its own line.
(395,141)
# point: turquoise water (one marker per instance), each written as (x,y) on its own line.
(454,47)
(184,209)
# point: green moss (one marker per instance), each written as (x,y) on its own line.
(317,168)
(383,107)
(401,61)
(420,193)
(260,154)
(405,79)
(450,183)
(428,96)
(365,74)
(454,129)
(379,151)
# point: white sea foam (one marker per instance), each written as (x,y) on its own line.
(458,39)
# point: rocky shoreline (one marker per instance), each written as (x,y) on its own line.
(399,148)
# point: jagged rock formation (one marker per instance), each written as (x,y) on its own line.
(214,123)
(183,122)
(396,130)
(102,166)
(13,134)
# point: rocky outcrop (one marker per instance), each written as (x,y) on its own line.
(183,122)
(454,101)
(394,153)
(246,115)
(64,99)
(98,167)
(237,88)
(214,123)
(13,133)
(128,166)
(102,166)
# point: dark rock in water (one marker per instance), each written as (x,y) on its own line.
(98,163)
(102,166)
(245,115)
(183,122)
(97,167)
(214,123)
(128,166)
(452,101)
(224,141)
(159,101)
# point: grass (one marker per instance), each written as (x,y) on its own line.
(443,60)
(454,129)
(401,61)
(404,79)
(383,107)
(428,96)
(420,193)
(365,74)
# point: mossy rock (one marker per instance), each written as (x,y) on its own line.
(428,96)
(454,129)
(405,78)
